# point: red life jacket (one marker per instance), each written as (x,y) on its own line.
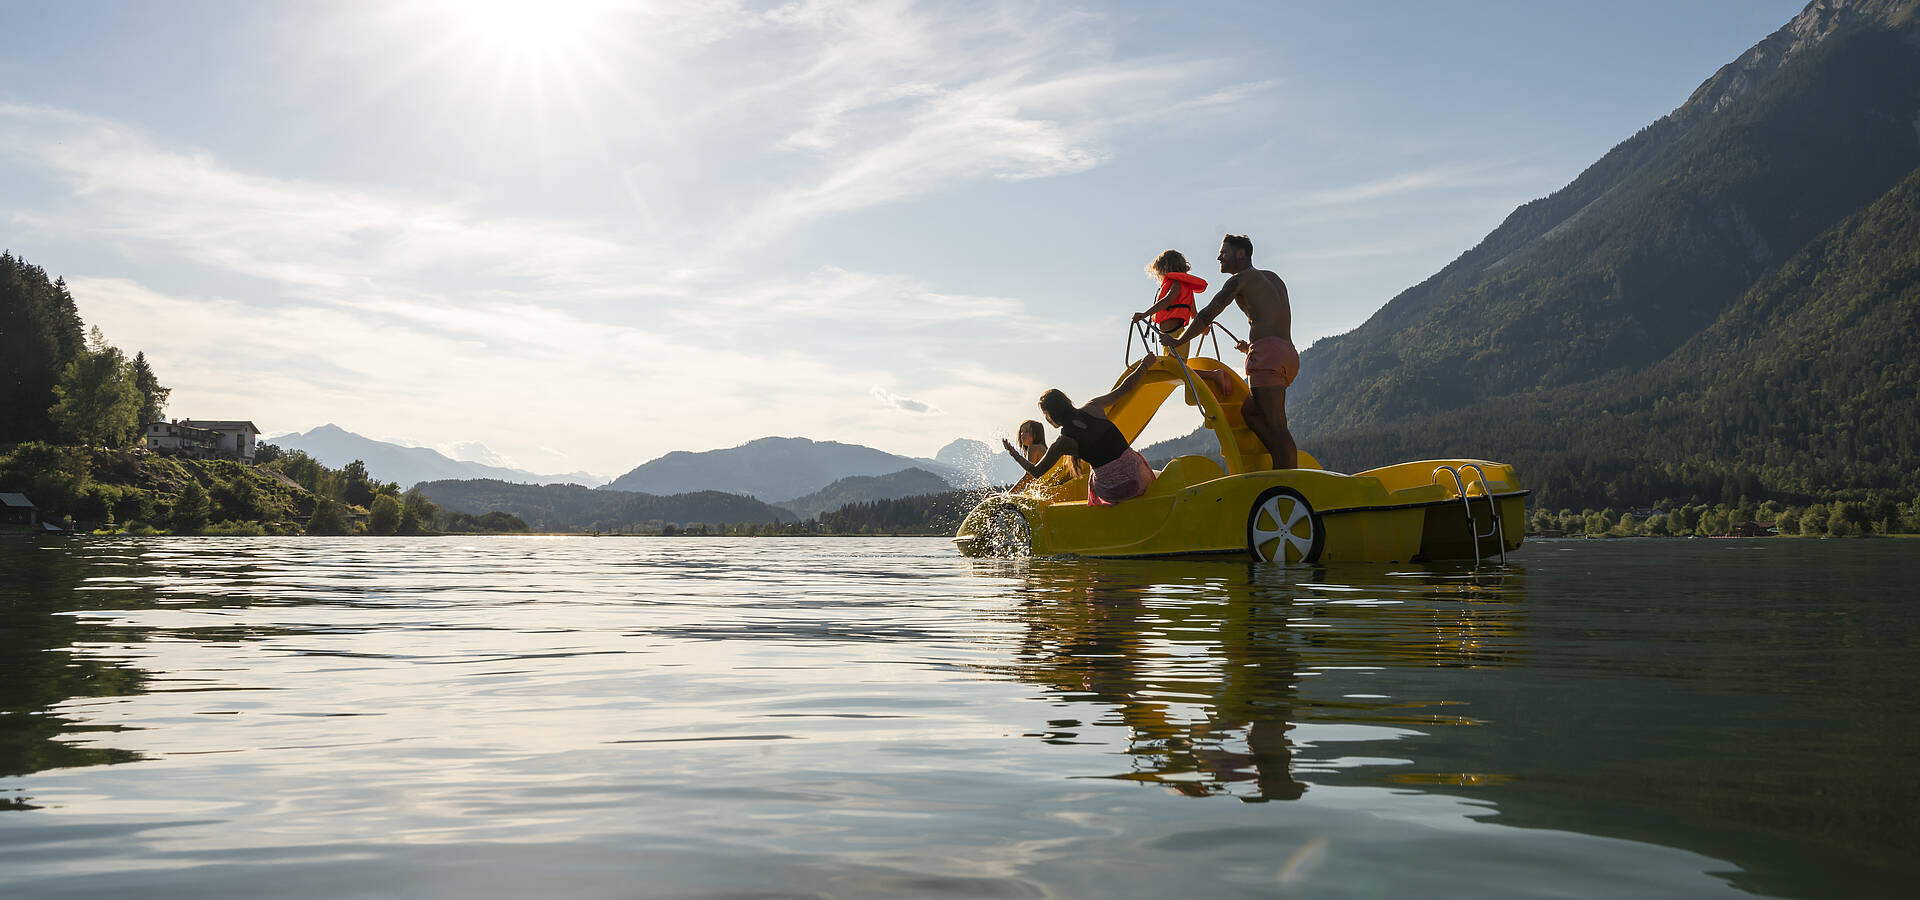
(1181,306)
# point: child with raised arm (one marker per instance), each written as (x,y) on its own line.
(1172,305)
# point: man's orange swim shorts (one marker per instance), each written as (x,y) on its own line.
(1272,362)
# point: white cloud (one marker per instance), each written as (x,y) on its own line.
(891,400)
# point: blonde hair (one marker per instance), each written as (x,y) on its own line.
(1169,261)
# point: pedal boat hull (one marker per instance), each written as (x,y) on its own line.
(1436,509)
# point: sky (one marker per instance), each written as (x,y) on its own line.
(574,235)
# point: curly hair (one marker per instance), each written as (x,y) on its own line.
(1168,261)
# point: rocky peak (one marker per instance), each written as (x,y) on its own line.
(1819,21)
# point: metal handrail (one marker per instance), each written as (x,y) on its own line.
(1499,530)
(1473,526)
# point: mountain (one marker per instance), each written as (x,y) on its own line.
(978,464)
(1721,307)
(334,446)
(572,507)
(865,489)
(1802,390)
(770,467)
(1653,243)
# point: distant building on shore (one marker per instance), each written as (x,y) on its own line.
(204,439)
(18,514)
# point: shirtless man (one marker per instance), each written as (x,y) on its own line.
(1272,361)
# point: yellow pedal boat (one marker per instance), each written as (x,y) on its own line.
(1432,509)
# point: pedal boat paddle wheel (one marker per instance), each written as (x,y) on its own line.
(1432,509)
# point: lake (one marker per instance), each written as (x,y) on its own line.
(708,717)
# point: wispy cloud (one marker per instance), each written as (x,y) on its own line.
(1463,177)
(301,234)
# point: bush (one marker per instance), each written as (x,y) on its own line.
(231,528)
(327,518)
(384,518)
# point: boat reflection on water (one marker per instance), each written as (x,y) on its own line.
(1215,670)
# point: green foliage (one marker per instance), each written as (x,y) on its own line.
(191,509)
(492,523)
(53,476)
(96,401)
(99,488)
(1843,519)
(40,332)
(236,529)
(58,383)
(356,487)
(417,513)
(928,514)
(238,499)
(327,518)
(385,515)
(307,472)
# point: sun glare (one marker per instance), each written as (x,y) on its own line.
(526,29)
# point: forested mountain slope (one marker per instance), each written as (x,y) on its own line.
(914,482)
(1651,244)
(1804,388)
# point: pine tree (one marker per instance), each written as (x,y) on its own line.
(153,397)
(40,333)
(191,510)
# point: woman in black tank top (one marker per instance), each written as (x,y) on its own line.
(1099,440)
(1087,433)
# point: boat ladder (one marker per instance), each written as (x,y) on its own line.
(1497,531)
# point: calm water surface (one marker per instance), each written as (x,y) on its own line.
(634,717)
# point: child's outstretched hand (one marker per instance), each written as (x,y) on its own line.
(1009,445)
(1138,316)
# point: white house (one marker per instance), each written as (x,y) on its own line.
(205,438)
(186,440)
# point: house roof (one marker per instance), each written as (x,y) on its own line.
(182,426)
(221,424)
(17,501)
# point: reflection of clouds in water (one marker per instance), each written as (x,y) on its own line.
(1218,671)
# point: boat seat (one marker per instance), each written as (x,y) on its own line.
(1182,472)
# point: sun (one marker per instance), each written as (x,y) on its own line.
(525,30)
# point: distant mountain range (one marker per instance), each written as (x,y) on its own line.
(334,447)
(571,507)
(1723,306)
(800,475)
(771,468)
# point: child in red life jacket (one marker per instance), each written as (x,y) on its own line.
(1172,305)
